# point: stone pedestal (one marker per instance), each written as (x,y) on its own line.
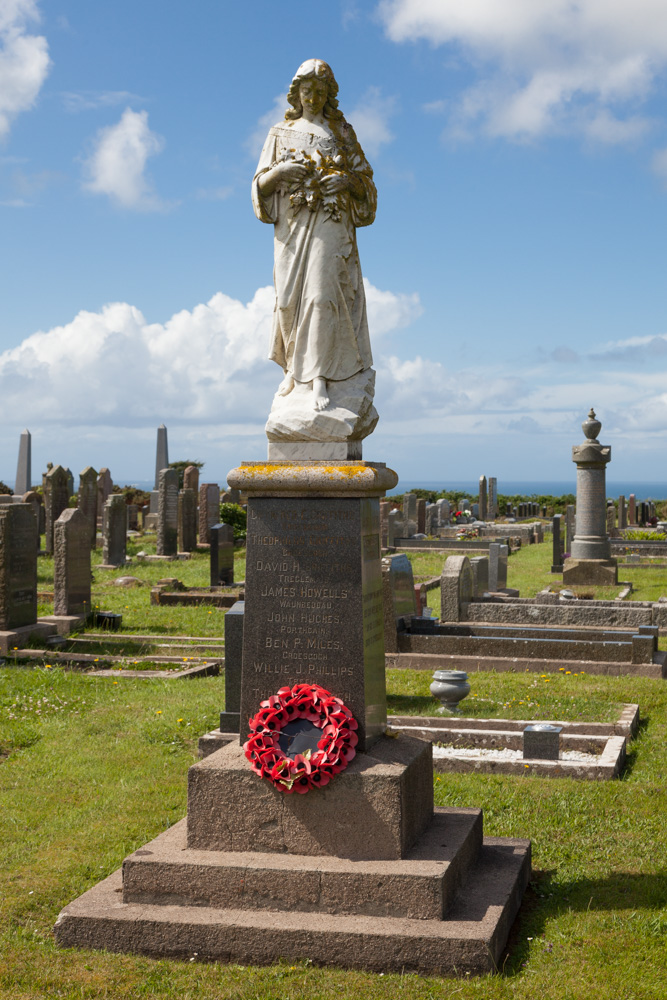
(363,872)
(591,542)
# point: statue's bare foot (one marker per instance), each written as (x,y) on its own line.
(320,398)
(286,386)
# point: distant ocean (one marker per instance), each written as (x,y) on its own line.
(509,487)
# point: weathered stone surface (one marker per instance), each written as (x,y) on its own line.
(56,499)
(187,519)
(541,741)
(557,543)
(87,502)
(191,479)
(296,431)
(314,603)
(72,576)
(482,511)
(398,596)
(456,587)
(209,510)
(480,575)
(376,808)
(230,719)
(222,555)
(493,499)
(167,517)
(24,465)
(591,572)
(104,490)
(114,531)
(313,479)
(34,499)
(498,555)
(421,516)
(18,566)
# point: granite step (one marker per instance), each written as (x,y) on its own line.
(471,940)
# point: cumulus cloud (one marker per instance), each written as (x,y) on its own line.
(207,364)
(548,66)
(117,164)
(370,119)
(24,60)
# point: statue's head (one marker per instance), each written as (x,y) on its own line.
(308,70)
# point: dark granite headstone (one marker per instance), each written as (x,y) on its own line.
(541,741)
(187,519)
(230,718)
(314,604)
(18,565)
(72,576)
(114,531)
(167,516)
(557,553)
(222,555)
(209,510)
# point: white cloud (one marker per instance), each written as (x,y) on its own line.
(24,60)
(552,65)
(370,119)
(117,164)
(205,365)
(90,100)
(276,114)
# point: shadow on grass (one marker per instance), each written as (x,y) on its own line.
(633,749)
(547,898)
(398,704)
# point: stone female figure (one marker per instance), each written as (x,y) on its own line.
(315,185)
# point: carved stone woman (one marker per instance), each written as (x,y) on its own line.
(315,185)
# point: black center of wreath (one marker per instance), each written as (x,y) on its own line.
(299,736)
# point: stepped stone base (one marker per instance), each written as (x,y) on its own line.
(297,907)
(591,572)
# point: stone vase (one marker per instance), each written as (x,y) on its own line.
(450,687)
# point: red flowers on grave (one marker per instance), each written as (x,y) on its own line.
(312,768)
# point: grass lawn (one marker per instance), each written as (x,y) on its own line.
(90,769)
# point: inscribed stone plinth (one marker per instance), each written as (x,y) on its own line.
(71,563)
(87,502)
(114,531)
(191,479)
(161,454)
(498,555)
(56,499)
(167,515)
(313,608)
(18,566)
(24,465)
(483,499)
(222,555)
(209,510)
(231,717)
(187,520)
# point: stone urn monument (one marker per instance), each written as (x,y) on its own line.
(302,842)
(590,561)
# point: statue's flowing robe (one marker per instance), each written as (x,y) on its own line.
(319,320)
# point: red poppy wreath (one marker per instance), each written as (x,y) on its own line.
(301,738)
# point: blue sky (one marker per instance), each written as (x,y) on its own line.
(515,273)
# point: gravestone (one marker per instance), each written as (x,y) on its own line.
(611,520)
(493,498)
(35,501)
(161,454)
(222,555)
(444,512)
(56,499)
(230,718)
(483,499)
(187,520)
(632,510)
(480,575)
(104,490)
(70,483)
(132,517)
(114,531)
(385,507)
(153,502)
(474,510)
(590,559)
(167,516)
(431,519)
(622,512)
(394,527)
(18,566)
(421,516)
(191,479)
(409,507)
(87,502)
(24,466)
(557,541)
(71,563)
(456,588)
(497,566)
(541,741)
(209,510)
(570,525)
(398,597)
